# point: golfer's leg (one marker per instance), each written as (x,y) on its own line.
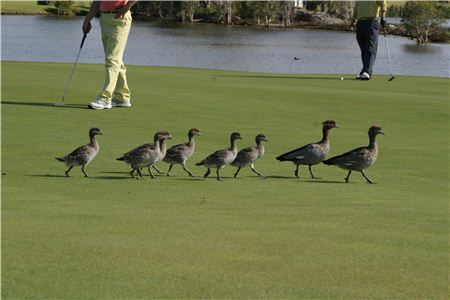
(361,43)
(365,50)
(372,45)
(115,32)
(122,92)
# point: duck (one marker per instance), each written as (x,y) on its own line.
(161,155)
(145,155)
(221,158)
(311,154)
(248,156)
(359,159)
(179,154)
(83,155)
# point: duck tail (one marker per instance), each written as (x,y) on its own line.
(120,158)
(328,162)
(281,158)
(200,164)
(59,159)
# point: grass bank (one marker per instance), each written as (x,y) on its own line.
(32,8)
(110,236)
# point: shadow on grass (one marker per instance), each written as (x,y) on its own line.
(281,177)
(49,176)
(111,177)
(276,77)
(198,178)
(79,106)
(81,176)
(323,181)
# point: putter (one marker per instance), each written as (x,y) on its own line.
(389,55)
(71,73)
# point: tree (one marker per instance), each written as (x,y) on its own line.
(286,9)
(188,10)
(265,10)
(64,7)
(422,19)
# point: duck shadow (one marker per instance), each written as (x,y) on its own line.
(322,181)
(111,177)
(281,177)
(197,179)
(48,176)
(67,105)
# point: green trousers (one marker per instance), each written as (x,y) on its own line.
(114,38)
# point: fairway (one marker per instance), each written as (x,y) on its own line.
(113,237)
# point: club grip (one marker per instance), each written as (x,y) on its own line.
(82,41)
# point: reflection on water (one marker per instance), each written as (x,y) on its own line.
(51,39)
(421,49)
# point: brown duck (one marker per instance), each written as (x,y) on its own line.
(358,159)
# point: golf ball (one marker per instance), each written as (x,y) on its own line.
(342,78)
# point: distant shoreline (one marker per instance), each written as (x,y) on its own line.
(397,29)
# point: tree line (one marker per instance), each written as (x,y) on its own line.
(422,19)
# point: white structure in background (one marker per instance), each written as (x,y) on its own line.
(298,3)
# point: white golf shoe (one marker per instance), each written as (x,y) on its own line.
(100,104)
(363,76)
(118,103)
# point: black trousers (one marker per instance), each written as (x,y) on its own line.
(367,37)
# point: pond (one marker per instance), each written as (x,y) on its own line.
(52,39)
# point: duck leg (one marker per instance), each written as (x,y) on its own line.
(151,173)
(296,171)
(170,169)
(254,171)
(218,175)
(367,178)
(207,173)
(132,172)
(237,172)
(187,171)
(312,175)
(157,170)
(68,170)
(348,176)
(139,173)
(84,172)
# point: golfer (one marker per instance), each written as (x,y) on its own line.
(115,23)
(367,18)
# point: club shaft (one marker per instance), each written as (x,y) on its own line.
(73,68)
(388,52)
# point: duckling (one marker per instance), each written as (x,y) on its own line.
(83,154)
(358,159)
(221,158)
(145,155)
(180,153)
(311,154)
(247,156)
(161,155)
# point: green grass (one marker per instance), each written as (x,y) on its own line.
(32,8)
(110,236)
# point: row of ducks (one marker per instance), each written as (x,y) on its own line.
(148,155)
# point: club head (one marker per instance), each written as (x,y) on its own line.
(392,78)
(59,104)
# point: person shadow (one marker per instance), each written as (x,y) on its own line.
(55,105)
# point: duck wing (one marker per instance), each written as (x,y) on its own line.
(220,157)
(297,154)
(350,159)
(80,155)
(248,155)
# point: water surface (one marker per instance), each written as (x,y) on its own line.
(52,39)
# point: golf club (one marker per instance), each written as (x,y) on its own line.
(71,73)
(388,54)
